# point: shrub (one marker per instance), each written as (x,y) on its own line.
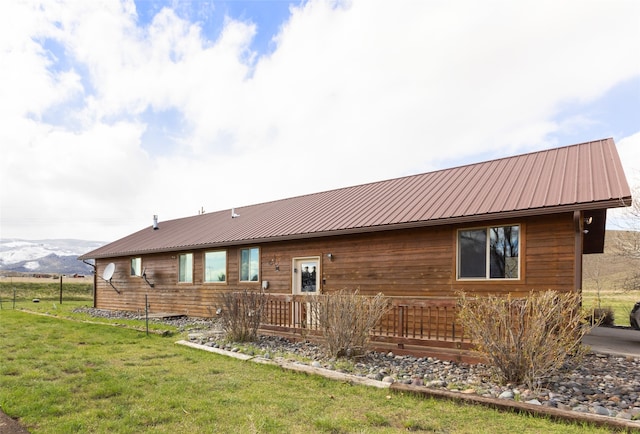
(346,320)
(602,316)
(525,339)
(241,314)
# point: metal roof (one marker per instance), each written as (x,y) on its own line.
(585,176)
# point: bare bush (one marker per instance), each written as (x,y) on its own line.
(241,314)
(629,245)
(632,281)
(602,316)
(346,320)
(526,339)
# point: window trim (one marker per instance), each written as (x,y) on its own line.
(132,272)
(226,268)
(185,282)
(240,264)
(488,278)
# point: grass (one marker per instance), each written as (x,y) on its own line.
(620,302)
(604,277)
(48,289)
(64,376)
(18,294)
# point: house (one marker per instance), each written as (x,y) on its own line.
(507,226)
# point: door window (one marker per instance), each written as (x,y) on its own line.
(306,275)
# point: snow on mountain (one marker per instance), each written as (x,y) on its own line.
(57,256)
(32,265)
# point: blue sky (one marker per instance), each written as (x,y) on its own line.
(112,112)
(267,15)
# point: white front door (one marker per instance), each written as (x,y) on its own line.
(306,275)
(306,281)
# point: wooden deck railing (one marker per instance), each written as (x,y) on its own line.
(414,322)
(430,319)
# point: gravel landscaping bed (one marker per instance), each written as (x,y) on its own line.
(600,384)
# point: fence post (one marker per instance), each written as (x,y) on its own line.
(146,312)
(61,289)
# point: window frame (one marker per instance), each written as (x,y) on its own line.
(132,269)
(249,271)
(226,268)
(180,255)
(487,276)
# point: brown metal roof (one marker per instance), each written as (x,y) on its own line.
(585,176)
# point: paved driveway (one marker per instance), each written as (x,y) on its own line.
(614,340)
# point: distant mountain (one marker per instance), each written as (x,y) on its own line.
(45,256)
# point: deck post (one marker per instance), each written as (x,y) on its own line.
(401,320)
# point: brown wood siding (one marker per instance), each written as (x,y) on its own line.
(405,263)
(550,253)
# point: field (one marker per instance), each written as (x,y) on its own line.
(604,277)
(38,293)
(20,293)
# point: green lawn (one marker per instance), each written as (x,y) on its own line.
(61,376)
(45,290)
(620,302)
(21,296)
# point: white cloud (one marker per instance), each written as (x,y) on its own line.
(629,151)
(78,182)
(28,87)
(353,92)
(401,81)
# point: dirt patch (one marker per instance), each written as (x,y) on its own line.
(10,426)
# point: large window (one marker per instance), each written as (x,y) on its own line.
(185,268)
(215,266)
(136,266)
(249,264)
(489,253)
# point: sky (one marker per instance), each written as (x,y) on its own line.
(112,111)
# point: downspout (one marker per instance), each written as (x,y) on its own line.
(95,289)
(95,280)
(577,267)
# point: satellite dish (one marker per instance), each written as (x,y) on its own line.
(108,271)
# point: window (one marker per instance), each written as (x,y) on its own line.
(215,266)
(249,264)
(136,266)
(185,268)
(489,253)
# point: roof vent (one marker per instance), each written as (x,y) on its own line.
(233,213)
(155,223)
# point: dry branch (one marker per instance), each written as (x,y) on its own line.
(346,320)
(526,339)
